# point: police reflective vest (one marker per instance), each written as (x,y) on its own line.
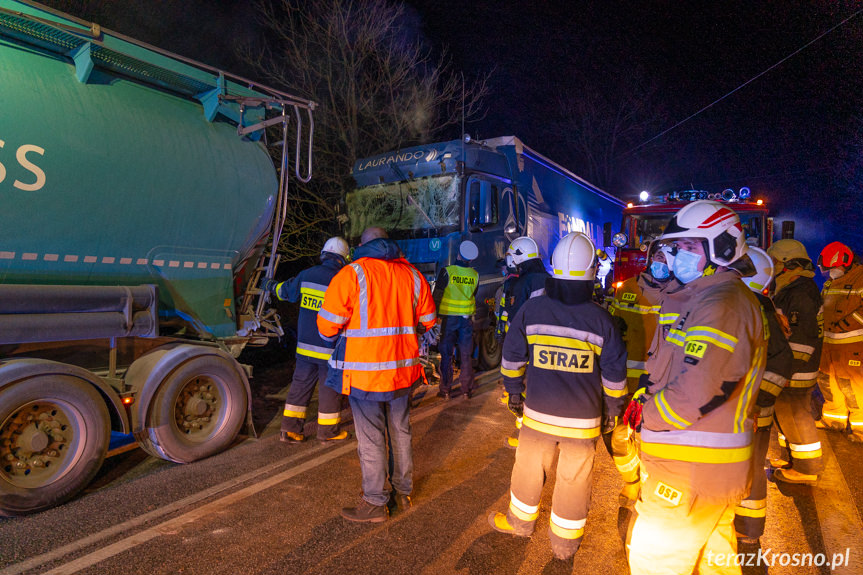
(308,288)
(698,423)
(459,296)
(375,304)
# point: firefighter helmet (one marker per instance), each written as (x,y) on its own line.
(468,251)
(835,254)
(574,258)
(787,250)
(716,224)
(523,249)
(337,246)
(763,270)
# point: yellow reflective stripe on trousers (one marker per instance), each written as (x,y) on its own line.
(329,418)
(566,528)
(298,411)
(522,510)
(805,450)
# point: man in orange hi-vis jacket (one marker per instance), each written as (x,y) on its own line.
(375,304)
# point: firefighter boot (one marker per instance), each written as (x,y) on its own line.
(792,476)
(365,512)
(498,522)
(338,438)
(291,437)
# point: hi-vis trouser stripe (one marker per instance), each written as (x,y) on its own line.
(801,451)
(635,368)
(801,352)
(315,351)
(566,528)
(803,380)
(772,383)
(698,446)
(522,510)
(756,508)
(298,411)
(329,418)
(749,386)
(512,368)
(855,336)
(561,426)
(765,417)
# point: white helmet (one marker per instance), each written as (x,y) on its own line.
(574,258)
(337,246)
(763,270)
(523,249)
(468,251)
(716,223)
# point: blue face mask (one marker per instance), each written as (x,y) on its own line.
(659,270)
(686,266)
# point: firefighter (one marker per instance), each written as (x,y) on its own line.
(375,304)
(455,297)
(696,437)
(635,307)
(308,289)
(575,360)
(797,297)
(530,283)
(502,296)
(841,375)
(751,513)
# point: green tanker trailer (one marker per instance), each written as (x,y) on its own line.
(138,209)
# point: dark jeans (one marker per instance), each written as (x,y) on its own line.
(374,422)
(456,331)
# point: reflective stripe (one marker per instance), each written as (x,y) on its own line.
(522,510)
(314,351)
(635,373)
(856,423)
(800,447)
(712,335)
(781,439)
(428,317)
(693,454)
(668,414)
(566,528)
(363,296)
(298,411)
(802,348)
(746,512)
(512,372)
(750,384)
(668,318)
(417,286)
(573,422)
(676,336)
(635,308)
(844,337)
(632,364)
(329,338)
(801,380)
(317,289)
(458,295)
(381,331)
(329,316)
(753,503)
(842,292)
(373,366)
(706,439)
(537,293)
(329,418)
(837,417)
(856,316)
(570,432)
(614,388)
(557,330)
(772,383)
(627,463)
(564,342)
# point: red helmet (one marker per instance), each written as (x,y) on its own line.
(835,254)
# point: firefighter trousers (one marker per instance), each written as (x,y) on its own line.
(306,376)
(840,379)
(798,437)
(751,513)
(675,539)
(571,499)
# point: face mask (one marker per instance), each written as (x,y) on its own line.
(836,273)
(686,266)
(659,270)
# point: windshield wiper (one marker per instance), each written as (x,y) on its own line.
(423,212)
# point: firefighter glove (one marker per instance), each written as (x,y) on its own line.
(269,285)
(515,403)
(632,415)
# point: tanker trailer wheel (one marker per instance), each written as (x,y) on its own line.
(490,350)
(54,433)
(198,410)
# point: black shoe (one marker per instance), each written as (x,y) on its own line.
(469,393)
(400,502)
(365,512)
(444,394)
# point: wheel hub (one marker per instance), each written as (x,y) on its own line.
(34,441)
(196,405)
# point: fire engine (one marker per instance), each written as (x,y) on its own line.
(645,222)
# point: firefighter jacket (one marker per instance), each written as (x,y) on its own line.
(308,288)
(800,302)
(375,304)
(573,356)
(698,423)
(636,304)
(530,283)
(502,295)
(778,364)
(843,307)
(455,290)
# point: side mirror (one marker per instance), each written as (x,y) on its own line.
(788,230)
(606,234)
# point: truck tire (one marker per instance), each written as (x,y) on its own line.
(54,433)
(490,350)
(198,410)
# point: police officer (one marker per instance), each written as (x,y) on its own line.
(576,362)
(797,297)
(841,374)
(696,438)
(308,288)
(455,297)
(750,514)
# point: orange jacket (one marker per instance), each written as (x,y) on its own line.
(375,304)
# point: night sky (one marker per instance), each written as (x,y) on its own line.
(787,135)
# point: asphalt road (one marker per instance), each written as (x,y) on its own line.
(264,507)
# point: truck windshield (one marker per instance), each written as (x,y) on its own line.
(416,208)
